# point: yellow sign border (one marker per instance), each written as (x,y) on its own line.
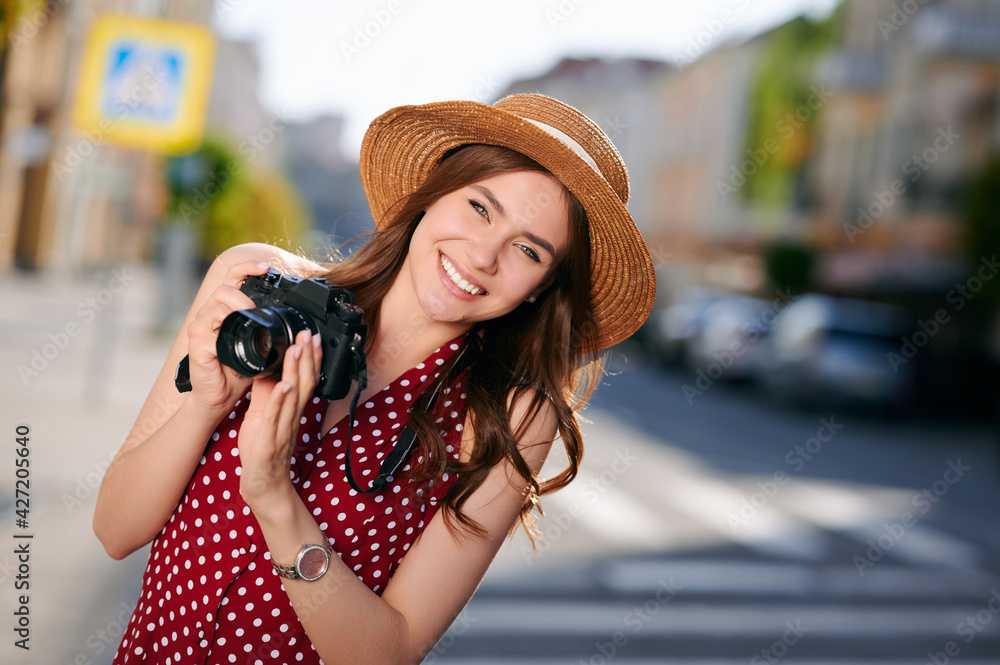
(184,132)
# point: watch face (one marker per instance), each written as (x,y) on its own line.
(312,562)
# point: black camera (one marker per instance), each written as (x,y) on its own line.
(254,341)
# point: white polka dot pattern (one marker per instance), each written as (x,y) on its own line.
(210,594)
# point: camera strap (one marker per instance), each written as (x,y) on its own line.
(400,449)
(182,376)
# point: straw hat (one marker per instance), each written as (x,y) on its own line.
(404,144)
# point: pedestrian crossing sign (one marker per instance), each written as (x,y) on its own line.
(144,83)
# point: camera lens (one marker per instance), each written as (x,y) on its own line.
(262,342)
(254,341)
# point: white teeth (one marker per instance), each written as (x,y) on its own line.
(457,279)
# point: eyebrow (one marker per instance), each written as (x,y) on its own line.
(545,244)
(492,199)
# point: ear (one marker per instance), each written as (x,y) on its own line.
(541,288)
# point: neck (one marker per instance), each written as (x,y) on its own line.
(406,335)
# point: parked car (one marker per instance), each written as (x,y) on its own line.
(668,333)
(731,341)
(826,350)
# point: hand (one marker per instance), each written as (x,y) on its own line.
(213,385)
(270,427)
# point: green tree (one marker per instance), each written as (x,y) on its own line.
(981,218)
(230,201)
(261,207)
(784,106)
(12,11)
(789,265)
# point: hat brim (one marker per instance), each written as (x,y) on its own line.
(403,145)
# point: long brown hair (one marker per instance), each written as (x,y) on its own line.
(545,351)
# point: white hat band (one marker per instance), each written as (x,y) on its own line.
(569,142)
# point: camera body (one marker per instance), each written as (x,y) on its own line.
(253,341)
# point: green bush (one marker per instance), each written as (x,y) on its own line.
(981,218)
(790,265)
(262,207)
(230,201)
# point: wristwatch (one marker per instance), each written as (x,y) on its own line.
(310,565)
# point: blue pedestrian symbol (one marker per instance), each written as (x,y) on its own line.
(143,82)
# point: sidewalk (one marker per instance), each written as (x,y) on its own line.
(78,358)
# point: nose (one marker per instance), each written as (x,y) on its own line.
(483,252)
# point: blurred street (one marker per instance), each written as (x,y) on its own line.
(722,531)
(796,459)
(871,548)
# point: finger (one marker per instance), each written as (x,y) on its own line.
(261,392)
(298,371)
(238,272)
(230,290)
(232,297)
(287,406)
(223,301)
(290,364)
(317,357)
(209,319)
(288,417)
(276,414)
(265,448)
(203,332)
(308,365)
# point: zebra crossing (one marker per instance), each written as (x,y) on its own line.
(653,562)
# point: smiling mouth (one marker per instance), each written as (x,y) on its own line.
(457,280)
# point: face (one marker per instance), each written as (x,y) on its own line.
(482,250)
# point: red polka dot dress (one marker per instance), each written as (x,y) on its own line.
(210,594)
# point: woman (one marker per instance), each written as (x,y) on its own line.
(504,262)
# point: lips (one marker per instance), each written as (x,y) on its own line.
(458,280)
